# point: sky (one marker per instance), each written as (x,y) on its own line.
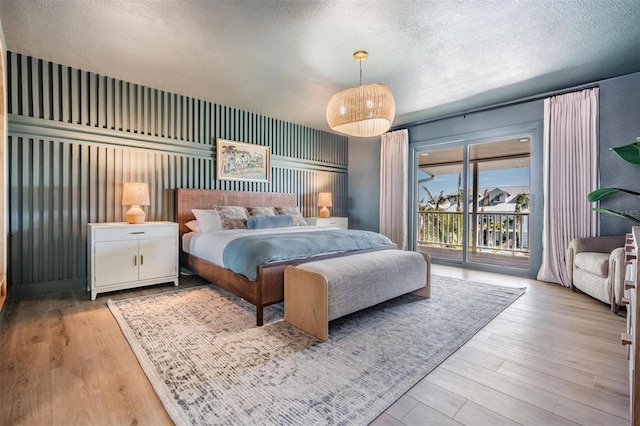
(491,178)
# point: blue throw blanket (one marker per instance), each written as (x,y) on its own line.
(244,254)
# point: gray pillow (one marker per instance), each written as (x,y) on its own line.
(262,211)
(232,217)
(298,220)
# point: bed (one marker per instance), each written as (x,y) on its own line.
(268,286)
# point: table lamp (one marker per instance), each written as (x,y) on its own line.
(135,194)
(325,200)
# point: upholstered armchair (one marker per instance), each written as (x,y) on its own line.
(596,266)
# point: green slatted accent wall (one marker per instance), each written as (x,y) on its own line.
(76,136)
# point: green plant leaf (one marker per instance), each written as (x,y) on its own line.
(601,193)
(630,153)
(615,213)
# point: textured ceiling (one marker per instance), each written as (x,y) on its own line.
(285,59)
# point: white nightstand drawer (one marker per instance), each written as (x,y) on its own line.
(335,222)
(135,232)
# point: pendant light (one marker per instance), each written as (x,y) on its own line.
(362,111)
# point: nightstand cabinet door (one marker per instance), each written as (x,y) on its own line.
(157,258)
(115,262)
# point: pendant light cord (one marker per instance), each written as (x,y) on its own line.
(360,72)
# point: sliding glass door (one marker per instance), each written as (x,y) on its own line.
(473,203)
(499,182)
(440,224)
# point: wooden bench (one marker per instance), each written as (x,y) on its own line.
(318,292)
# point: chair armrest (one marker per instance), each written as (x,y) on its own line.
(617,269)
(569,256)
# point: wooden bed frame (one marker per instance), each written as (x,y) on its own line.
(268,288)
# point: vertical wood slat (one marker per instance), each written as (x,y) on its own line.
(12,84)
(75,97)
(57,186)
(139,111)
(24,88)
(92,99)
(35,82)
(117,105)
(152,113)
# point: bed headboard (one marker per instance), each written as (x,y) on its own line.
(187,199)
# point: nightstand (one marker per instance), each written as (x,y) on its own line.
(122,256)
(337,222)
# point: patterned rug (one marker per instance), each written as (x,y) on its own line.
(210,364)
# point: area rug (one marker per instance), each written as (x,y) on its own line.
(210,364)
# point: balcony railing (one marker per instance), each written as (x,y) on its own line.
(489,232)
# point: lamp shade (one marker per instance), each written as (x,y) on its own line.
(135,193)
(325,199)
(362,111)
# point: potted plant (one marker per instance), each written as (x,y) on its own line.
(631,154)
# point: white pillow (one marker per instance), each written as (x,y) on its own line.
(208,220)
(193,225)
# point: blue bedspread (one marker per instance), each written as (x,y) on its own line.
(244,254)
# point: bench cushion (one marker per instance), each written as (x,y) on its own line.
(359,281)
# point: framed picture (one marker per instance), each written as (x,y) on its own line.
(242,161)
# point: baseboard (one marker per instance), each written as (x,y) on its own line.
(48,287)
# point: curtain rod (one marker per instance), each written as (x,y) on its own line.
(498,106)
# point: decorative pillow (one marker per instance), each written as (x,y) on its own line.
(261,211)
(208,220)
(298,220)
(232,217)
(193,225)
(263,222)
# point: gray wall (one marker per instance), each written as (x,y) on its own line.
(477,122)
(74,137)
(523,120)
(364,183)
(619,125)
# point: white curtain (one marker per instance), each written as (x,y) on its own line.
(394,186)
(570,174)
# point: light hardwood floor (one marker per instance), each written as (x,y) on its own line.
(552,358)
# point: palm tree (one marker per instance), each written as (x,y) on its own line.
(484,201)
(458,195)
(435,201)
(459,201)
(447,226)
(522,201)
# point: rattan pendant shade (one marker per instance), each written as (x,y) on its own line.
(363,111)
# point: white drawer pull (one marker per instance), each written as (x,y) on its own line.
(627,339)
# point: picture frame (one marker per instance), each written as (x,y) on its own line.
(242,161)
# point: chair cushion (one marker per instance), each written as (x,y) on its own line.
(592,285)
(594,263)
